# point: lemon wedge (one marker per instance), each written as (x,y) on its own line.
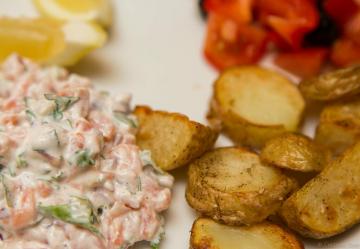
(84,10)
(38,39)
(80,39)
(49,42)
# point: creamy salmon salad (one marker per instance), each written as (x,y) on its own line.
(71,175)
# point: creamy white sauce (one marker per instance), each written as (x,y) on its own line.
(72,176)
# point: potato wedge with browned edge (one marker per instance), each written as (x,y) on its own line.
(329,203)
(333,85)
(172,138)
(231,185)
(295,152)
(208,234)
(339,126)
(252,105)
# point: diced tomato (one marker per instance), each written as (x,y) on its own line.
(303,63)
(229,43)
(352,28)
(25,212)
(291,19)
(341,10)
(345,52)
(238,10)
(278,41)
(44,189)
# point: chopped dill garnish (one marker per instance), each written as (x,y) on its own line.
(21,162)
(83,159)
(62,103)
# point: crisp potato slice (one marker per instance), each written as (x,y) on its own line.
(295,152)
(332,85)
(231,185)
(207,234)
(339,126)
(329,203)
(172,138)
(252,105)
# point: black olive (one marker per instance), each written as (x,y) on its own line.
(325,33)
(203,12)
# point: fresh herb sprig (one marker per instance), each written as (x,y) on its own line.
(123,118)
(83,159)
(62,103)
(57,138)
(7,193)
(79,211)
(155,245)
(30,114)
(21,162)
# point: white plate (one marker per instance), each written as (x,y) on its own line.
(155,52)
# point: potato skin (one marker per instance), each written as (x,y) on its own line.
(295,152)
(339,126)
(333,85)
(172,138)
(329,203)
(207,234)
(232,186)
(241,130)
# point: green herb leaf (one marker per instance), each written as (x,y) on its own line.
(83,159)
(78,212)
(84,202)
(57,138)
(12,171)
(125,119)
(61,212)
(62,103)
(58,177)
(30,114)
(7,192)
(70,123)
(21,162)
(155,245)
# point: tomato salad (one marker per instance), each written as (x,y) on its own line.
(71,174)
(305,33)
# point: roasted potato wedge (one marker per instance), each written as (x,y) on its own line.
(339,126)
(333,85)
(329,203)
(172,138)
(231,185)
(207,234)
(252,105)
(295,152)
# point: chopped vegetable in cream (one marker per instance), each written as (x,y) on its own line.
(71,175)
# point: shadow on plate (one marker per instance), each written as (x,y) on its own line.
(180,174)
(91,66)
